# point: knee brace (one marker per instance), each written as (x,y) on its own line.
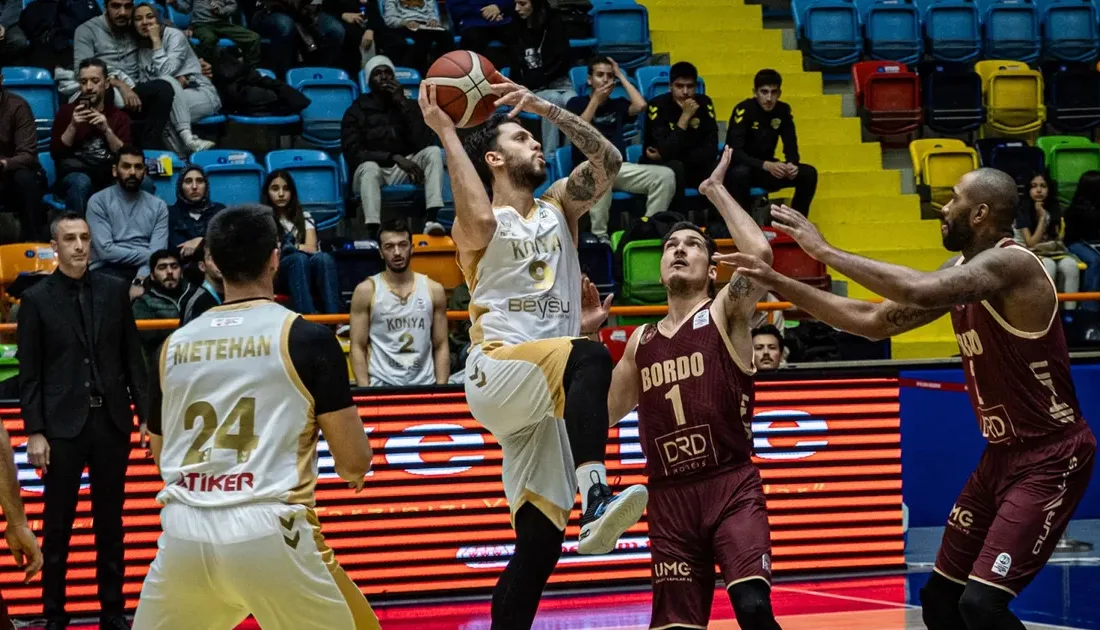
(985,607)
(753,605)
(940,604)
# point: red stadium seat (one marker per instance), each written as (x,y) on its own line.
(615,338)
(887,97)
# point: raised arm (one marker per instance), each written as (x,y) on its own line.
(360,331)
(623,397)
(441,347)
(474,220)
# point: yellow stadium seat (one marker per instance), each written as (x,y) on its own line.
(918,148)
(18,258)
(435,257)
(1013,95)
(937,166)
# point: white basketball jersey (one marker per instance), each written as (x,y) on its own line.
(237,422)
(527,283)
(401,335)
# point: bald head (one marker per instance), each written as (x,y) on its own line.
(995,189)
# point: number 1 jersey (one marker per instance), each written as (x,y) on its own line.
(695,400)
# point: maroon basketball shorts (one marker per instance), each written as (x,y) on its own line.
(5,621)
(1014,508)
(695,524)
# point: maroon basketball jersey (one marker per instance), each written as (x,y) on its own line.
(1019,382)
(695,403)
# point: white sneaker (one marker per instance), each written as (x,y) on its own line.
(608,516)
(196,144)
(434,228)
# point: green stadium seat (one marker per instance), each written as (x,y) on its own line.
(642,272)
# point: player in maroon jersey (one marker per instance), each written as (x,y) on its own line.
(1036,467)
(690,376)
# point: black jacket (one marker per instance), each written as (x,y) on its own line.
(754,133)
(54,372)
(550,46)
(697,145)
(373,131)
(1082,223)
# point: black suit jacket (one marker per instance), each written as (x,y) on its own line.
(53,374)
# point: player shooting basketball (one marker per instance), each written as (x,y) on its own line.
(532,382)
(1004,309)
(689,375)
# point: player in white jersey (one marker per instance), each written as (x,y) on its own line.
(241,393)
(539,388)
(399,320)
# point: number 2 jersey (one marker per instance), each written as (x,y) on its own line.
(401,335)
(241,387)
(1019,382)
(695,400)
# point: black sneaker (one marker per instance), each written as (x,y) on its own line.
(608,516)
(114,622)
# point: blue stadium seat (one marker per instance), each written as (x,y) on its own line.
(36,86)
(399,194)
(408,78)
(893,30)
(952,94)
(166,185)
(828,31)
(265,121)
(1072,96)
(233,177)
(622,32)
(1011,30)
(578,75)
(654,81)
(331,92)
(953,29)
(1069,29)
(317,177)
(1015,157)
(596,260)
(182,21)
(53,201)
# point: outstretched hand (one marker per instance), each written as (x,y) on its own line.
(434,116)
(593,312)
(519,98)
(751,267)
(718,177)
(793,224)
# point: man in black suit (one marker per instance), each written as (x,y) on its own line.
(80,368)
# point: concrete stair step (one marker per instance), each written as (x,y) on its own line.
(686,17)
(800,83)
(909,235)
(654,4)
(783,61)
(930,349)
(871,183)
(831,211)
(830,158)
(730,41)
(806,107)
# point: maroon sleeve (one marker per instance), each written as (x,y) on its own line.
(60,123)
(120,124)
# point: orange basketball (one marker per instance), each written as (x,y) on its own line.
(462,90)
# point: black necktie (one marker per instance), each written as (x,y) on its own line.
(86,317)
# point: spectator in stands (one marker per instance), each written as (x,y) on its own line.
(21,178)
(164,52)
(385,141)
(297,27)
(1039,222)
(364,31)
(189,216)
(211,22)
(166,294)
(85,137)
(1082,235)
(768,350)
(419,21)
(754,130)
(300,261)
(212,291)
(110,37)
(480,23)
(681,131)
(399,321)
(540,59)
(128,224)
(610,116)
(13,43)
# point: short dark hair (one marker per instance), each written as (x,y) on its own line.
(396,225)
(483,140)
(712,247)
(92,62)
(128,149)
(769,329)
(161,254)
(241,239)
(767,76)
(597,61)
(61,218)
(683,70)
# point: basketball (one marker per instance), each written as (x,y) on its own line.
(462,80)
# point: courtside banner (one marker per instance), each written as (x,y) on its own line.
(432,519)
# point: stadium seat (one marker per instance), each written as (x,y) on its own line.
(435,257)
(596,260)
(265,121)
(1013,97)
(331,92)
(621,30)
(642,272)
(654,81)
(1072,96)
(1067,158)
(232,176)
(165,183)
(615,339)
(887,97)
(1069,29)
(578,75)
(938,163)
(828,31)
(1012,29)
(893,30)
(22,258)
(53,201)
(1017,158)
(37,87)
(317,177)
(407,78)
(952,93)
(953,29)
(182,21)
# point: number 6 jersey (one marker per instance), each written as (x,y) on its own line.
(695,400)
(241,387)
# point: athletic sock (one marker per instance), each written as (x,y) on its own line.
(589,475)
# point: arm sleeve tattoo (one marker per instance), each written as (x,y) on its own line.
(589,181)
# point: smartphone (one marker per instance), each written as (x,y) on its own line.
(84,101)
